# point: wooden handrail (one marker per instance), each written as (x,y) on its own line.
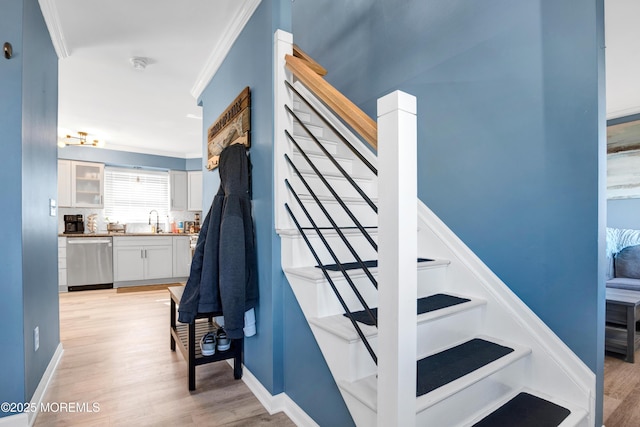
(310,62)
(340,104)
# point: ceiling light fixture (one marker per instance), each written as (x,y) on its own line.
(79,140)
(139,63)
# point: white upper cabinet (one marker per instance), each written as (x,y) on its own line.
(178,190)
(64,183)
(87,185)
(195,191)
(80,184)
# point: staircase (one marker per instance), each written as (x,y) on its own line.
(482,358)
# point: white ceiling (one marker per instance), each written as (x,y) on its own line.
(622,33)
(154,110)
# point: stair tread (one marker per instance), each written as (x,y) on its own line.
(424,305)
(315,274)
(356,265)
(330,199)
(444,367)
(336,175)
(321,139)
(365,389)
(576,415)
(526,410)
(323,156)
(329,231)
(341,326)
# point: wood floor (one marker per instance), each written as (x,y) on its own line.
(117,356)
(621,392)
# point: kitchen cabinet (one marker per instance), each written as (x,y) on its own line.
(62,264)
(181,256)
(64,183)
(194,200)
(87,185)
(80,184)
(178,190)
(142,258)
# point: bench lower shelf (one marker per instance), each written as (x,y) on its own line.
(187,337)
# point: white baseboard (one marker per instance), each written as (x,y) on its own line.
(278,403)
(27,420)
(44,382)
(18,420)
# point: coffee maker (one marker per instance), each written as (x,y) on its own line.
(73,224)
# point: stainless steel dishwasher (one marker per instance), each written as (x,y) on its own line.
(89,263)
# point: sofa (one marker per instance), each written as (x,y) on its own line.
(623,255)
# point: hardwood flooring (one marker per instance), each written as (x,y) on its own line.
(116,355)
(621,392)
(117,359)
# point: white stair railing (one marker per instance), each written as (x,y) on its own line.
(390,399)
(397,254)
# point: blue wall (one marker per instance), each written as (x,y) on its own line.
(283,355)
(126,158)
(28,248)
(249,64)
(12,387)
(39,184)
(194,164)
(509,121)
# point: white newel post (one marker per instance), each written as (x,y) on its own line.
(283,45)
(397,258)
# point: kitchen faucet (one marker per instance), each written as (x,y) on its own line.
(157,220)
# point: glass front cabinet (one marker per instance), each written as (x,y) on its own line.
(87,185)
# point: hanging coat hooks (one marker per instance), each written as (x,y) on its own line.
(8,50)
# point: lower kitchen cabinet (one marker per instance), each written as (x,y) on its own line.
(62,264)
(181,256)
(142,258)
(128,263)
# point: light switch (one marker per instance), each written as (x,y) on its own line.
(52,207)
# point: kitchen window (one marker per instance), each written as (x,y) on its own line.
(130,194)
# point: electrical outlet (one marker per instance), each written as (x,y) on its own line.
(36,338)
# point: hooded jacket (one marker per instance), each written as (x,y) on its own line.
(223,277)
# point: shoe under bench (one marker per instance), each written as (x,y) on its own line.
(188,335)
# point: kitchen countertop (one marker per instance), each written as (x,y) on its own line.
(88,235)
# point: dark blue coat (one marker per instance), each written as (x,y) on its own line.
(223,277)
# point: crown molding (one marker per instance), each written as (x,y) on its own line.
(52,19)
(222,48)
(138,150)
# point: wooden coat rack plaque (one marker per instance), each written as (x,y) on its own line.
(231,127)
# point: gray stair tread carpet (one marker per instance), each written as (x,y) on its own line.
(355,265)
(526,410)
(442,368)
(425,305)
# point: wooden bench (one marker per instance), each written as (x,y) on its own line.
(188,336)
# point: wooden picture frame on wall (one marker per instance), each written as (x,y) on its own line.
(623,158)
(233,126)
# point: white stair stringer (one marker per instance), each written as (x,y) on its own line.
(557,370)
(541,362)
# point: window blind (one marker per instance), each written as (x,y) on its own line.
(130,194)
